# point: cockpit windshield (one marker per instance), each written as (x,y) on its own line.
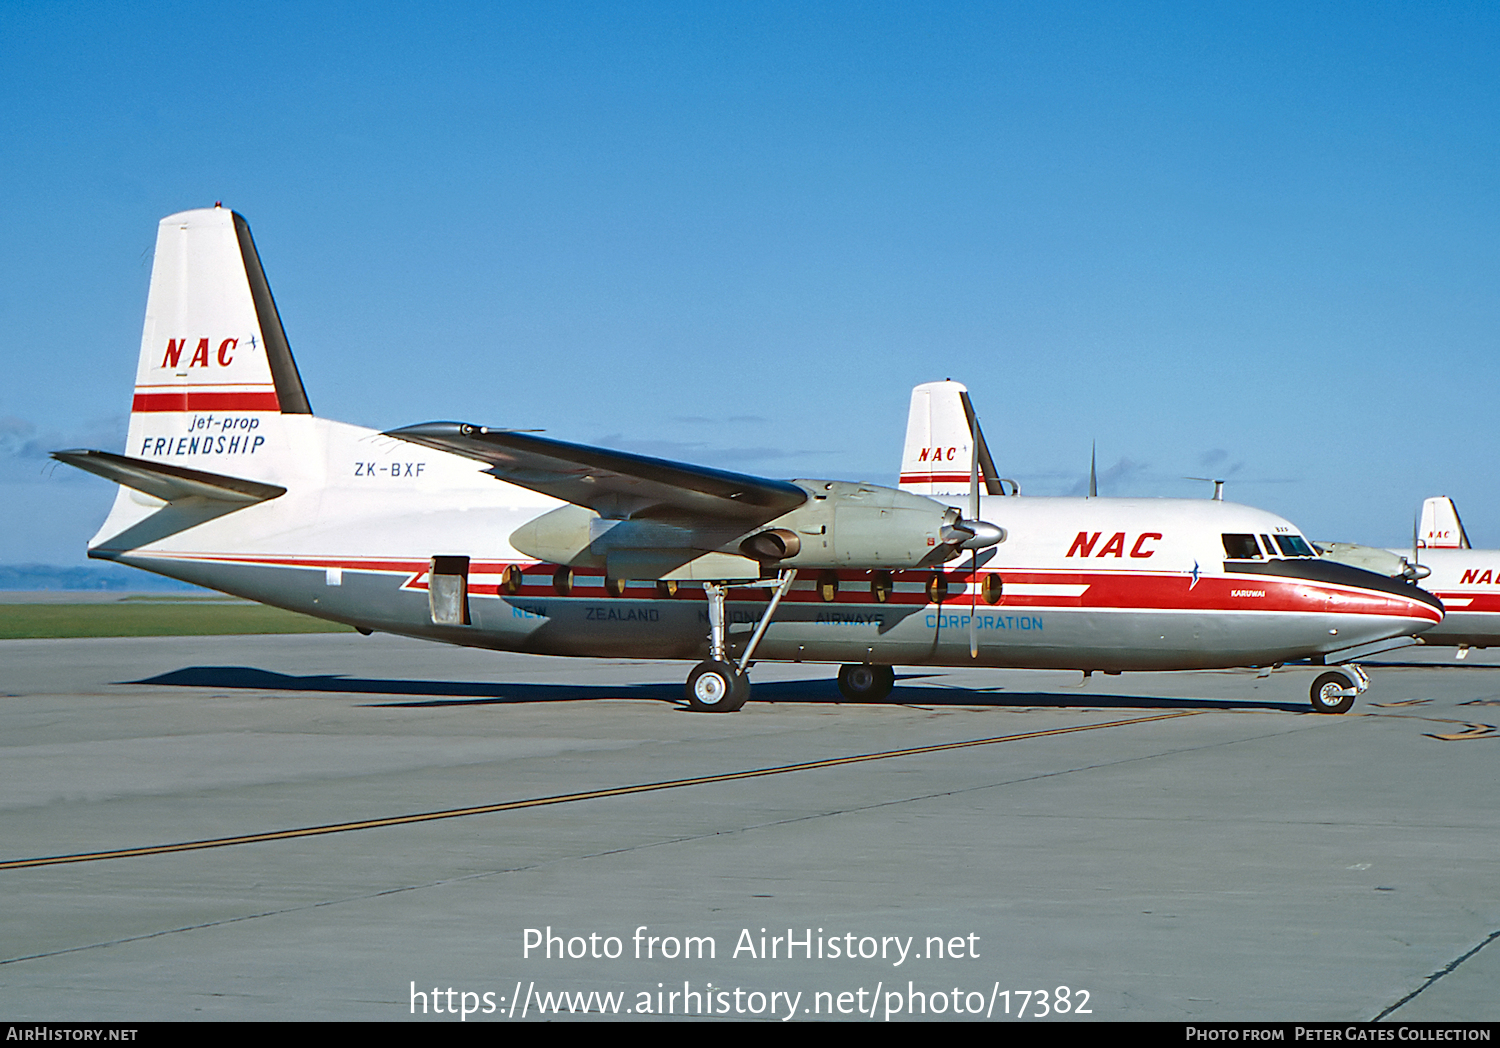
(1244,547)
(1294,546)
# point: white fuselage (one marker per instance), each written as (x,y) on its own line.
(1107,584)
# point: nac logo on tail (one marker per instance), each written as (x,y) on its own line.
(200,358)
(1083,545)
(937,454)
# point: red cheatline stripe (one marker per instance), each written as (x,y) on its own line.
(537,802)
(922,478)
(146,402)
(1107,590)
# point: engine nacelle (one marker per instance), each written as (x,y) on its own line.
(841,525)
(1380,561)
(850,525)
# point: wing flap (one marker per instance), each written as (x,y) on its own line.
(614,484)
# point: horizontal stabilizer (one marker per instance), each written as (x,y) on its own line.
(169,483)
(613,484)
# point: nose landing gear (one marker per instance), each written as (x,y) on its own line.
(1335,691)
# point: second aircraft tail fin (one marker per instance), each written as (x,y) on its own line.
(941,430)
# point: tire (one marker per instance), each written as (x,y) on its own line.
(1327,693)
(862,682)
(715,687)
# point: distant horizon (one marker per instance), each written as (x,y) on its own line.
(103,577)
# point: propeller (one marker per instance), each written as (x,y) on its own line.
(962,533)
(974,550)
(970,532)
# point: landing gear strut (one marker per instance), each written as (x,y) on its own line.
(718,685)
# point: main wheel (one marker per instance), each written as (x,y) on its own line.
(716,687)
(862,682)
(1333,693)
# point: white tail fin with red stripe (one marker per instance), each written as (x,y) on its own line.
(940,430)
(1440,527)
(215,375)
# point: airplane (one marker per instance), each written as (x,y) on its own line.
(1149,583)
(498,538)
(1466,580)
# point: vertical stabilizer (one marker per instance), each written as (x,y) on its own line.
(940,432)
(1440,527)
(215,386)
(217,394)
(213,340)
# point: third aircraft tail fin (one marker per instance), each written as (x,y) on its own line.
(1440,527)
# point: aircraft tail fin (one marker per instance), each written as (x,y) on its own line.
(217,394)
(213,339)
(1440,527)
(941,431)
(215,383)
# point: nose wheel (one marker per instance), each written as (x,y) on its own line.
(1334,692)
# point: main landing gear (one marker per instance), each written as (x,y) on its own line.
(862,682)
(718,685)
(1334,691)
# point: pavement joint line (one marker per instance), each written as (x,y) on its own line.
(1447,969)
(536,802)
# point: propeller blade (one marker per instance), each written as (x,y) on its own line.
(974,474)
(974,604)
(974,553)
(992,483)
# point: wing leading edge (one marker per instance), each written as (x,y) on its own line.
(614,484)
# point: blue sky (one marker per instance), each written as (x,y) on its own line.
(1257,242)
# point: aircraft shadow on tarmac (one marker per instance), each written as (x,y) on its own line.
(436,693)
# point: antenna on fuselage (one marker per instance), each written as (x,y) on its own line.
(1218,495)
(1093,471)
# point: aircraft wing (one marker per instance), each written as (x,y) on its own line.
(614,484)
